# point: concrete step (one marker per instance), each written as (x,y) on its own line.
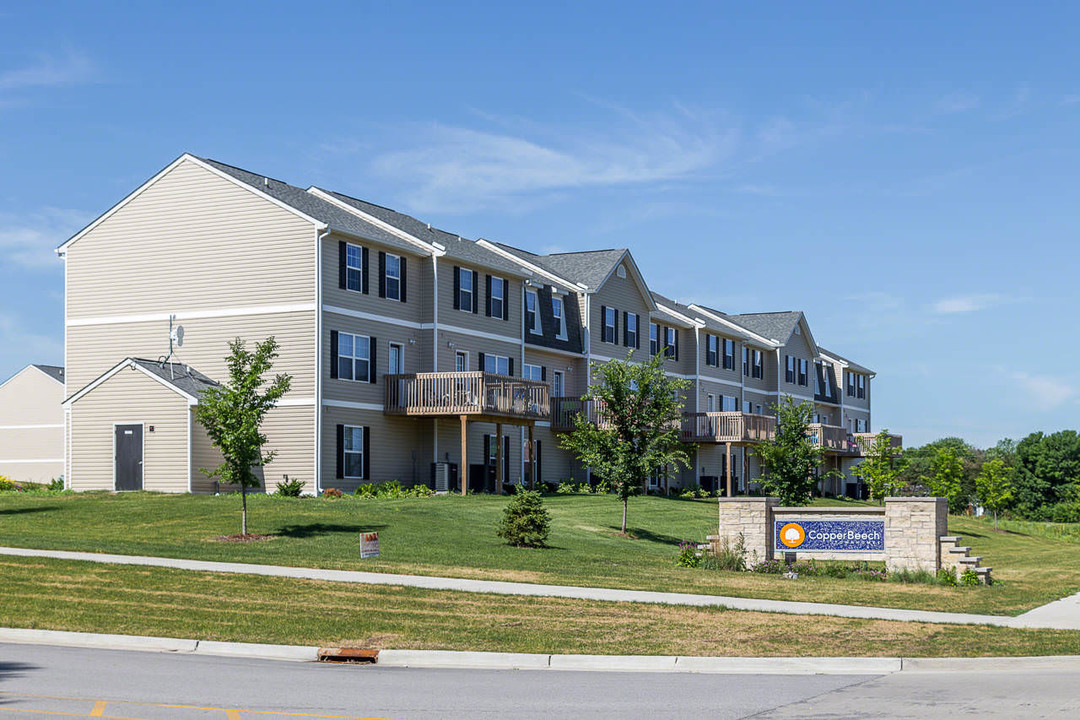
(983,570)
(950,538)
(970,561)
(958,549)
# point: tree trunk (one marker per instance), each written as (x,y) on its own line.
(624,500)
(243,512)
(995,521)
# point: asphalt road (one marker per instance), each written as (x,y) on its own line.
(54,682)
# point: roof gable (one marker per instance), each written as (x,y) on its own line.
(182,379)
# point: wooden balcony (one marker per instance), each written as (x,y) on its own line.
(564,410)
(832,438)
(727,427)
(498,397)
(863,442)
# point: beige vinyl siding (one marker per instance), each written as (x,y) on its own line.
(448,316)
(92,350)
(623,295)
(767,381)
(31,397)
(31,454)
(400,448)
(450,442)
(798,347)
(574,382)
(204,456)
(191,241)
(417,305)
(130,397)
(853,401)
(384,334)
(474,346)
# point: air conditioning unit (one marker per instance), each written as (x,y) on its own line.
(442,477)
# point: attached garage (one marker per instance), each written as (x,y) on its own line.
(133,428)
(32,424)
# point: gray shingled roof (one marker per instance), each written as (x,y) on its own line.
(852,365)
(315,207)
(54,371)
(457,247)
(590,268)
(183,377)
(775,325)
(710,324)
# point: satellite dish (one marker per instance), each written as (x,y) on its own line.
(178,335)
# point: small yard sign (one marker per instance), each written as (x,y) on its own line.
(369,545)
(830,535)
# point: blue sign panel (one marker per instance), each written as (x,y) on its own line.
(830,535)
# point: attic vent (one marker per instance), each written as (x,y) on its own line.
(621,272)
(266,181)
(798,330)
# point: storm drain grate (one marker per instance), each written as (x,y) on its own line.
(349,655)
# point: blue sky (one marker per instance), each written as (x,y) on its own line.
(904,174)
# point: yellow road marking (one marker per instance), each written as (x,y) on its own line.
(232,714)
(99,709)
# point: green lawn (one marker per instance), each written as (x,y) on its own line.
(453,536)
(83,596)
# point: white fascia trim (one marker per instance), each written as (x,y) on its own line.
(809,398)
(604,358)
(361,315)
(541,349)
(295,402)
(193,314)
(833,360)
(39,460)
(706,379)
(473,333)
(31,427)
(531,266)
(129,363)
(678,315)
(768,343)
(352,405)
(428,248)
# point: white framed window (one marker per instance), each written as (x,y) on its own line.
(729,354)
(631,330)
(354,357)
(671,343)
(817,378)
(352,452)
(712,350)
(861,387)
(804,375)
(559,313)
(654,339)
(354,267)
(789,370)
(461,361)
(498,298)
(497,364)
(532,372)
(746,361)
(392,277)
(396,359)
(557,384)
(466,291)
(621,271)
(532,313)
(710,403)
(608,334)
(759,364)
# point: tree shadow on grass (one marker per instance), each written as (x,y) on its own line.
(20,511)
(641,534)
(319,529)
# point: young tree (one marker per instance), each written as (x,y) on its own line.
(946,478)
(233,413)
(994,486)
(639,408)
(879,470)
(788,461)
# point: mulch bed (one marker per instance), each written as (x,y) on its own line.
(238,538)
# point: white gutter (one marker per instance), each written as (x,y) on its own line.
(319,236)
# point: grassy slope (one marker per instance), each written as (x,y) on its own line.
(454,536)
(82,596)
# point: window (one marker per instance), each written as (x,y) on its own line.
(826,379)
(804,375)
(497,364)
(789,370)
(608,333)
(396,362)
(532,317)
(671,343)
(759,364)
(712,351)
(630,335)
(729,403)
(710,404)
(465,290)
(354,357)
(729,354)
(851,384)
(557,383)
(352,451)
(461,361)
(861,393)
(559,315)
(532,372)
(746,361)
(654,339)
(818,377)
(354,267)
(497,298)
(392,285)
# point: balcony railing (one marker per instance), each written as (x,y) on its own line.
(564,410)
(466,393)
(832,438)
(724,427)
(864,441)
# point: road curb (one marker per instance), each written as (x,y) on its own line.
(443,659)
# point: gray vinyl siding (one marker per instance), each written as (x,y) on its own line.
(400,448)
(624,295)
(852,401)
(474,346)
(572,368)
(767,381)
(384,334)
(478,321)
(449,443)
(417,305)
(797,347)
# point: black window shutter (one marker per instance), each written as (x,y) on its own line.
(333,353)
(404,274)
(343,267)
(457,288)
(625,327)
(480,363)
(487,305)
(340,452)
(373,347)
(506,299)
(543,373)
(364,270)
(511,366)
(637,333)
(367,453)
(382,274)
(615,333)
(475,283)
(676,331)
(603,323)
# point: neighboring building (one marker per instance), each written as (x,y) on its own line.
(408,346)
(32,424)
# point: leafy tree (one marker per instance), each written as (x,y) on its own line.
(879,470)
(640,412)
(789,459)
(915,466)
(526,522)
(233,413)
(994,486)
(946,478)
(1048,471)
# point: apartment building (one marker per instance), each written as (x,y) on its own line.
(416,355)
(32,424)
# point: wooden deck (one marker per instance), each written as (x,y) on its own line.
(467,393)
(727,427)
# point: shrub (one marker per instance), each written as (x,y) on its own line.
(1065,512)
(946,577)
(421,491)
(730,557)
(969,578)
(56,484)
(332,493)
(910,577)
(526,522)
(367,490)
(689,555)
(9,485)
(769,567)
(290,488)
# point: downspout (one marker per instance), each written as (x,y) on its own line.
(697,395)
(319,236)
(435,349)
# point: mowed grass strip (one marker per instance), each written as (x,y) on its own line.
(88,597)
(454,536)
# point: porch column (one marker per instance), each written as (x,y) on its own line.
(727,460)
(463,469)
(498,458)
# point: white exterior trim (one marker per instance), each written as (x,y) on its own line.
(361,315)
(128,363)
(473,333)
(29,367)
(193,314)
(556,351)
(352,405)
(767,342)
(48,460)
(30,427)
(397,232)
(691,323)
(525,263)
(295,402)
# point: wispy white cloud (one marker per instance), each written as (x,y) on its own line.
(19,345)
(68,68)
(29,240)
(1046,391)
(957,102)
(967,303)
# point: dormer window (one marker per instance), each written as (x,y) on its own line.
(532,317)
(609,330)
(558,312)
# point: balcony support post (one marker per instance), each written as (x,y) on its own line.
(532,459)
(499,459)
(463,469)
(727,459)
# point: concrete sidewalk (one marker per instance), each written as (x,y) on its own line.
(1064,617)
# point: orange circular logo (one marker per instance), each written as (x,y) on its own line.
(792,535)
